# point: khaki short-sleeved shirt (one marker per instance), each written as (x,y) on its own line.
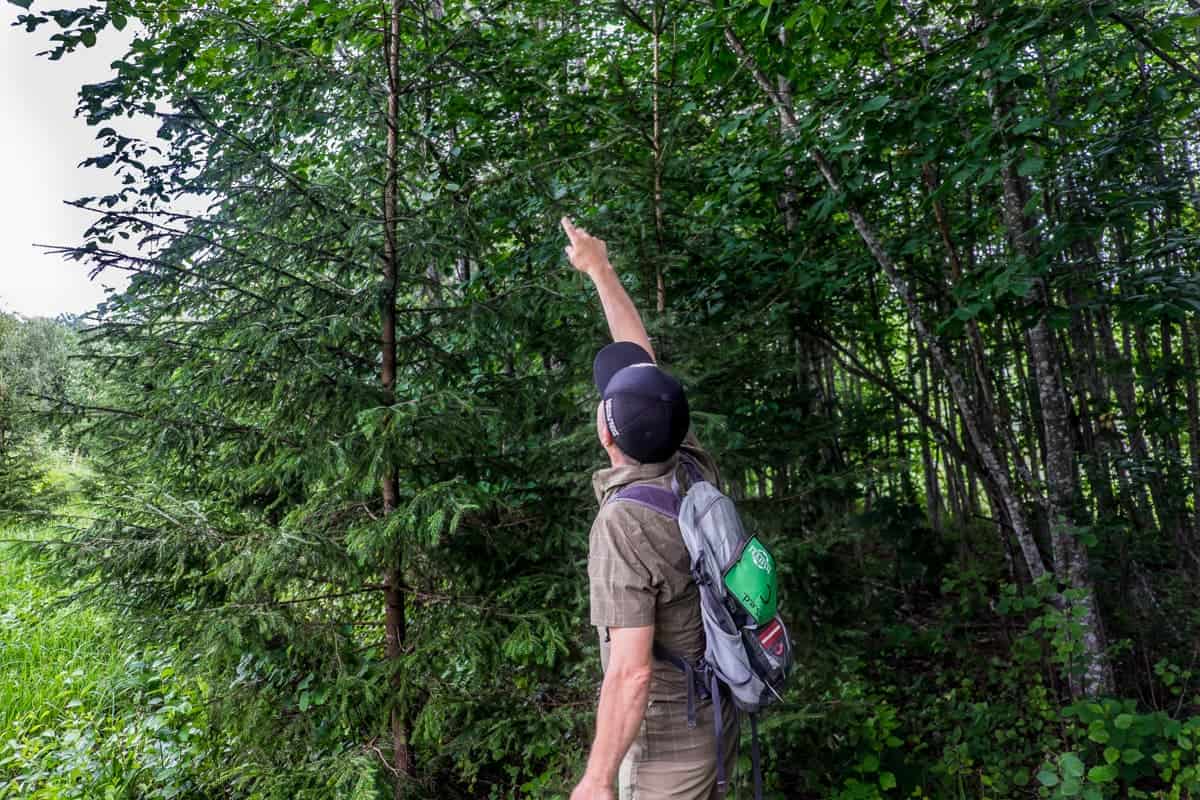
(639,570)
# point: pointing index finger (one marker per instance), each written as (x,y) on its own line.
(568,228)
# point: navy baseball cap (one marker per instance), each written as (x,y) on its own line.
(645,409)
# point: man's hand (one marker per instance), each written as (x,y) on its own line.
(587,253)
(587,790)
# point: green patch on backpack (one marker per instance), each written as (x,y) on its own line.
(751,579)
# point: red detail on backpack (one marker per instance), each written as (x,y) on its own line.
(771,638)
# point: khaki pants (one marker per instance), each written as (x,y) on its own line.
(670,761)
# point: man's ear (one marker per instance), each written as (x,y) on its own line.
(602,432)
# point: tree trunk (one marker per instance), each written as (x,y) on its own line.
(1120,371)
(657,144)
(1025,397)
(949,467)
(1170,439)
(1193,415)
(996,470)
(933,492)
(1071,563)
(393,580)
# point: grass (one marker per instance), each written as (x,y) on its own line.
(82,713)
(52,658)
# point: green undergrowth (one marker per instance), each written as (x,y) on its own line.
(953,687)
(943,684)
(921,674)
(83,712)
(1002,735)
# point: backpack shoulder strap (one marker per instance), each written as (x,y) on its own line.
(663,501)
(691,472)
(691,467)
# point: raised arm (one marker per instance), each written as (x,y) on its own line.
(589,255)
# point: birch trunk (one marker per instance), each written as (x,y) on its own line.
(1120,371)
(933,492)
(997,471)
(1071,562)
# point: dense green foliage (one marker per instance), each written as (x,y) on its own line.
(85,712)
(927,270)
(35,374)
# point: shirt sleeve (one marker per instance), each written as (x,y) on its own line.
(622,589)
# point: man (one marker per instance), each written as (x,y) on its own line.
(639,571)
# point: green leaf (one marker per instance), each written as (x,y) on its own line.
(817,17)
(1106,773)
(1071,765)
(88,36)
(22,3)
(119,22)
(987,175)
(1131,755)
(1029,124)
(766,15)
(1047,778)
(1123,721)
(1032,205)
(887,780)
(876,103)
(1030,166)
(1111,755)
(790,22)
(880,7)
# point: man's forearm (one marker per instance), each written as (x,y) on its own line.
(623,699)
(624,321)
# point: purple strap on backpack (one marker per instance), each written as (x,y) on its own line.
(661,500)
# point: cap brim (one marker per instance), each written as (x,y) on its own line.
(615,357)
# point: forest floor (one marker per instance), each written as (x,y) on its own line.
(82,712)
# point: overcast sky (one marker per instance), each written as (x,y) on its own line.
(41,142)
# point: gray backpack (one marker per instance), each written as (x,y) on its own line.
(747,647)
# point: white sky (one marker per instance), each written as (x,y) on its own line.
(41,142)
